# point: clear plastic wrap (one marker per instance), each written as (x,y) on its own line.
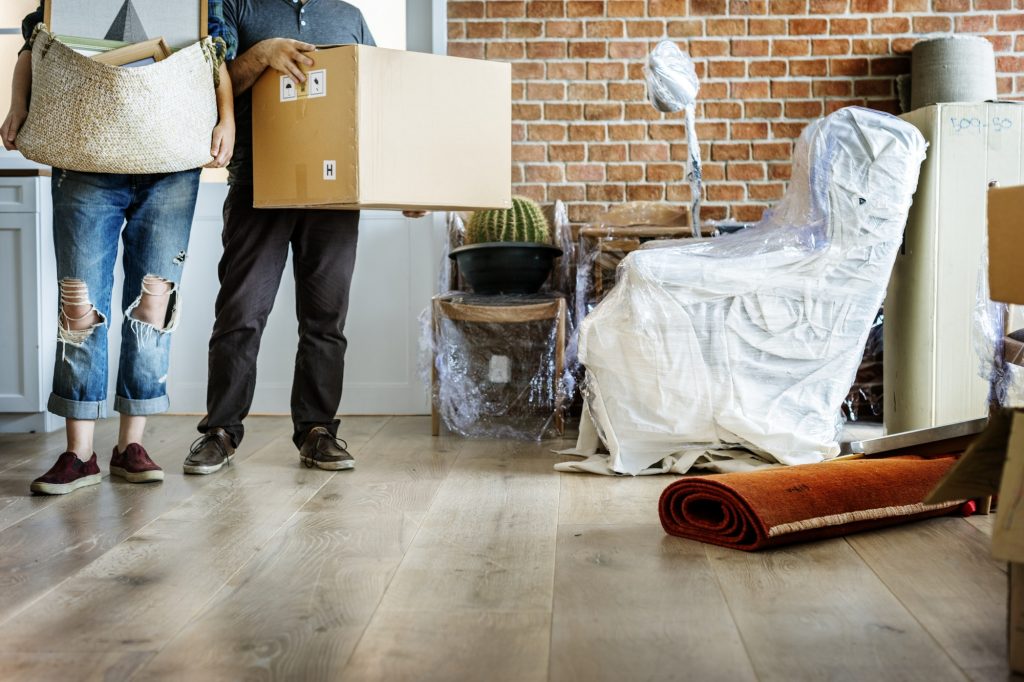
(753,339)
(864,401)
(672,83)
(499,364)
(999,344)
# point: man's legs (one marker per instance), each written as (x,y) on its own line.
(255,251)
(324,248)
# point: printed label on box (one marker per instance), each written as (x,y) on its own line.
(330,170)
(316,83)
(500,370)
(288,89)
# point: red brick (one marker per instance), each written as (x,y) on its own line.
(832,88)
(566,193)
(606,152)
(525,29)
(678,192)
(992,4)
(712,130)
(787,89)
(486,29)
(1004,85)
(500,50)
(465,10)
(469,50)
(635,71)
(762,109)
(623,172)
(536,192)
(627,92)
(829,6)
(830,46)
(1007,64)
(567,152)
(782,171)
(584,213)
(766,192)
(587,132)
(750,48)
(685,29)
(546,173)
(645,29)
(1010,22)
(806,27)
(666,8)
(904,45)
(722,110)
(667,131)
(769,151)
(808,67)
(545,9)
(567,70)
(715,90)
(834,105)
(748,7)
(588,49)
(840,27)
(605,29)
(456,30)
(848,67)
(665,172)
(605,71)
(1000,43)
(586,9)
(645,192)
(587,91)
(722,151)
(563,29)
(727,68)
(951,5)
(871,46)
(584,172)
(545,91)
(619,50)
(527,70)
(803,108)
(602,112)
(890,25)
(771,68)
(548,49)
(642,112)
(929,25)
(529,152)
(713,171)
(726,27)
(518,132)
(745,171)
(606,192)
(787,7)
(706,7)
(767,27)
(749,131)
(710,212)
(750,90)
(551,132)
(625,8)
(972,23)
(506,9)
(526,112)
(720,192)
(626,131)
(709,48)
(866,6)
(748,213)
(653,151)
(889,66)
(873,87)
(791,48)
(910,5)
(563,112)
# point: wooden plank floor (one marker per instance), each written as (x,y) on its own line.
(443,559)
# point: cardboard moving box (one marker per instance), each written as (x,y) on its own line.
(378,128)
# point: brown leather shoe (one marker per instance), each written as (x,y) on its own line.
(134,465)
(323,450)
(209,452)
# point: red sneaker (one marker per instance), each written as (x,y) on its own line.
(68,474)
(134,465)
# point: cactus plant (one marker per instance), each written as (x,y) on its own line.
(524,222)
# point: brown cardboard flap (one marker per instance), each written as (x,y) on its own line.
(1006,244)
(979,469)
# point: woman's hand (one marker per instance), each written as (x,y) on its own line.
(12,124)
(222,146)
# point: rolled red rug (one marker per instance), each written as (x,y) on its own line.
(773,507)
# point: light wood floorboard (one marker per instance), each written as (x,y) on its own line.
(448,559)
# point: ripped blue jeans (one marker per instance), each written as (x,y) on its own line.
(152,215)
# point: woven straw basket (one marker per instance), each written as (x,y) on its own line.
(88,116)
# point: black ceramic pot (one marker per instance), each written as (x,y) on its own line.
(505,267)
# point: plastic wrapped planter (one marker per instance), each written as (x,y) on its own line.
(753,339)
(498,364)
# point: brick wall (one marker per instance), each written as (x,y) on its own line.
(583,131)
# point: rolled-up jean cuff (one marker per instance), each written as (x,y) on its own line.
(76,409)
(141,408)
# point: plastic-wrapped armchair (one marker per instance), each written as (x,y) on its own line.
(753,339)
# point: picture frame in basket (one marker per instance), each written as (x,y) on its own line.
(124,22)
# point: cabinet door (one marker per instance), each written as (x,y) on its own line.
(20,377)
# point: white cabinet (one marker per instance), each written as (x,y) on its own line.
(27,301)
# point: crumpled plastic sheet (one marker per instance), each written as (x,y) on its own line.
(753,339)
(999,344)
(672,83)
(864,403)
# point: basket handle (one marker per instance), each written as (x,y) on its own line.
(41,28)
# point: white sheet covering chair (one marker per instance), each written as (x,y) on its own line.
(753,339)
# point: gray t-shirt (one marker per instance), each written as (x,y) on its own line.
(247,22)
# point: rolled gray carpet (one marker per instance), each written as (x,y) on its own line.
(952,69)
